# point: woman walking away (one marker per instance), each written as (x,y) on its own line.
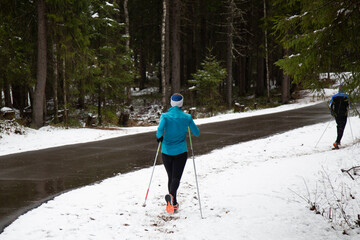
(339,107)
(172,132)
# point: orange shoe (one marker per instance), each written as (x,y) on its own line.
(169,204)
(336,145)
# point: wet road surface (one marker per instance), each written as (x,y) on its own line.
(31,178)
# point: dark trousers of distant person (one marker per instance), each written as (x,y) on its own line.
(174,166)
(341,122)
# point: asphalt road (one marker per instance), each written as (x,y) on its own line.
(28,179)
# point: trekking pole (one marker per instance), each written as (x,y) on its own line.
(351,129)
(322,134)
(197,185)
(147,192)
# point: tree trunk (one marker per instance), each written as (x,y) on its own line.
(39,95)
(163,47)
(229,51)
(267,58)
(127,32)
(203,44)
(257,10)
(241,75)
(55,84)
(165,55)
(191,51)
(175,36)
(127,24)
(65,90)
(99,105)
(81,99)
(285,88)
(142,68)
(260,77)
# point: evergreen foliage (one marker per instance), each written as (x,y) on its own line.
(208,80)
(90,68)
(111,65)
(87,44)
(322,37)
(17,50)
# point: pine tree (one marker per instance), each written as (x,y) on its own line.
(322,37)
(17,51)
(208,80)
(112,67)
(69,34)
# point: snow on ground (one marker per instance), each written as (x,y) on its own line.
(248,191)
(261,189)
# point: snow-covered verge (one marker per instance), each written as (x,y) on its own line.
(280,187)
(27,139)
(252,190)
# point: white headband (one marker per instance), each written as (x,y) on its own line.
(177,100)
(177,103)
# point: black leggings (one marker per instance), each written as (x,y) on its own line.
(341,122)
(174,166)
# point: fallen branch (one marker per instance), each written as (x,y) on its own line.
(348,171)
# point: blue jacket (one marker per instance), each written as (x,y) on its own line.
(339,104)
(174,127)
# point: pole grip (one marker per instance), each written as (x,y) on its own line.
(190,141)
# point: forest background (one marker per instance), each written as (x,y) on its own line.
(65,60)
